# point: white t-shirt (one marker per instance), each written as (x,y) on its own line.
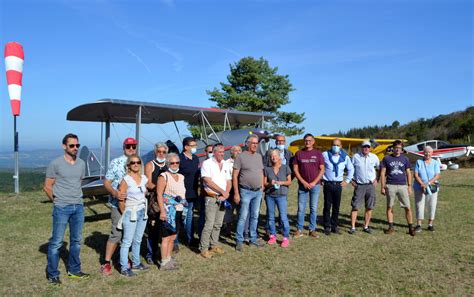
(210,168)
(135,192)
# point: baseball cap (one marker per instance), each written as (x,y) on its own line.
(366,142)
(129,140)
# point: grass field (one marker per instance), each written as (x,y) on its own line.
(440,263)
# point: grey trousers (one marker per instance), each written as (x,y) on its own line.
(212,228)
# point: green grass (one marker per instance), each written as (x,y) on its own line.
(440,263)
(30,180)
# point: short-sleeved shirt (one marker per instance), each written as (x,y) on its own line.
(67,187)
(282,175)
(364,167)
(189,168)
(115,173)
(396,169)
(426,172)
(308,163)
(251,169)
(210,168)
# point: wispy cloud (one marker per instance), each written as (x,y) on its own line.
(139,60)
(178,60)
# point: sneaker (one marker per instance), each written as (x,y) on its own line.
(335,230)
(168,266)
(367,230)
(128,273)
(176,249)
(206,254)
(149,261)
(256,244)
(352,231)
(239,247)
(285,242)
(411,231)
(389,231)
(217,250)
(327,231)
(106,269)
(54,281)
(78,275)
(431,228)
(140,267)
(298,234)
(418,229)
(313,234)
(272,240)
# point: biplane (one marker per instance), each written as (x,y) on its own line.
(443,151)
(107,111)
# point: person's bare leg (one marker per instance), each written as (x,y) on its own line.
(110,250)
(409,216)
(390,215)
(368,216)
(353,218)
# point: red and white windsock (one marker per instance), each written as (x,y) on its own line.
(14,58)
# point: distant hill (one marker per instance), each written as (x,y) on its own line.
(456,127)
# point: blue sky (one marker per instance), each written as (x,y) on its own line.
(352,63)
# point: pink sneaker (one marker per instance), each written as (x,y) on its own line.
(285,242)
(272,240)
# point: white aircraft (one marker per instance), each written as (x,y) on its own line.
(443,151)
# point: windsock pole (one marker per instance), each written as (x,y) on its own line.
(16,176)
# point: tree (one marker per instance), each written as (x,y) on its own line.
(253,85)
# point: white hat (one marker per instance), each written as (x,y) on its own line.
(366,142)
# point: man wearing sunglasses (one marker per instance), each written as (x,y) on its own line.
(115,173)
(63,187)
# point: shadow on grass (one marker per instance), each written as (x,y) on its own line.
(458,186)
(63,252)
(97,241)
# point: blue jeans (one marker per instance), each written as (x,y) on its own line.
(281,203)
(73,215)
(132,237)
(249,205)
(313,206)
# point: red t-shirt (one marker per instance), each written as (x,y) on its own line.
(308,163)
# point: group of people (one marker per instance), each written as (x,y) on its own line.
(162,197)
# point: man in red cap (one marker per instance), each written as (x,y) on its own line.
(113,177)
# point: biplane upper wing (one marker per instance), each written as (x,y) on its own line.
(124,111)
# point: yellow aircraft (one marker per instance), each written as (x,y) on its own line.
(350,145)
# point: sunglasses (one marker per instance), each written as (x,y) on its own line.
(131,146)
(209,152)
(174,163)
(366,146)
(135,163)
(74,145)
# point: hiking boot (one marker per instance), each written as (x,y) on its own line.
(389,231)
(418,229)
(352,231)
(285,242)
(298,234)
(217,250)
(335,230)
(239,247)
(431,228)
(54,281)
(272,240)
(368,230)
(411,231)
(313,234)
(128,273)
(106,269)
(206,254)
(140,267)
(327,231)
(78,275)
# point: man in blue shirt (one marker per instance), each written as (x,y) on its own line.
(364,182)
(335,161)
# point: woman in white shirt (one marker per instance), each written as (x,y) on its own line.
(134,216)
